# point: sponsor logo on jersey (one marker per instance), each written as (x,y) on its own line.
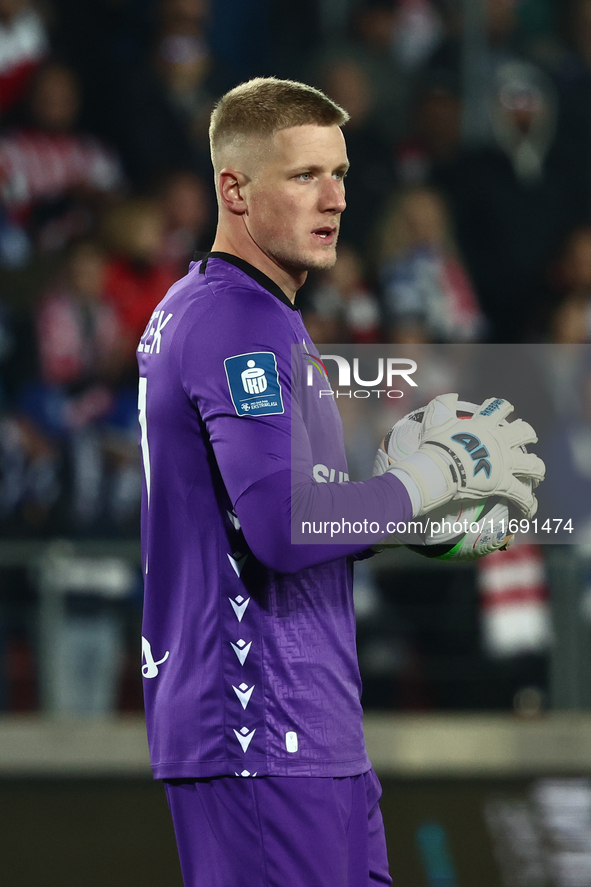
(254,385)
(325,475)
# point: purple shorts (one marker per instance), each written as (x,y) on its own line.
(279,831)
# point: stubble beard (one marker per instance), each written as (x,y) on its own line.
(286,255)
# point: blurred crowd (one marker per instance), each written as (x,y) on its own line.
(468,219)
(469,199)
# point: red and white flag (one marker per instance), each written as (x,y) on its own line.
(514,601)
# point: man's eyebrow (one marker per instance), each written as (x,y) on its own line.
(314,167)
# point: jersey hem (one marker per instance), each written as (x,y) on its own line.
(199,770)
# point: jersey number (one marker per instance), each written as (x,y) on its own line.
(143,419)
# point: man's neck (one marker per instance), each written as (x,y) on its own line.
(252,254)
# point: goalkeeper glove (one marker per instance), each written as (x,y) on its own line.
(469,458)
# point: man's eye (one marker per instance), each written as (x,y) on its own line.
(304,176)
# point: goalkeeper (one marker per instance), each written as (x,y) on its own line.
(251,682)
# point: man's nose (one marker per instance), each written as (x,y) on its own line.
(332,196)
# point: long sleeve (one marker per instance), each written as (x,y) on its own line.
(268,508)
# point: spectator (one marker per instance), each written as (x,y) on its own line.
(163,106)
(523,116)
(29,463)
(573,77)
(503,40)
(372,163)
(187,219)
(571,321)
(368,46)
(79,337)
(53,178)
(136,277)
(80,406)
(575,68)
(435,131)
(29,477)
(182,63)
(344,302)
(514,31)
(103,42)
(417,30)
(514,202)
(184,16)
(322,328)
(79,349)
(570,312)
(427,292)
(567,493)
(241,36)
(23,46)
(293,36)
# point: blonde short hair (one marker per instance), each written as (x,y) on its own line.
(265,105)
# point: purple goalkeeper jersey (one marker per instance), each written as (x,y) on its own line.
(248,669)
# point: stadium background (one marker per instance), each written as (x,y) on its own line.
(468,220)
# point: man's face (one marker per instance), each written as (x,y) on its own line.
(296,195)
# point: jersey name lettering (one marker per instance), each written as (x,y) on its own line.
(152,338)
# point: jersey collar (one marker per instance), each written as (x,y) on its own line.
(249,269)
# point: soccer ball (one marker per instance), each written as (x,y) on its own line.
(462,530)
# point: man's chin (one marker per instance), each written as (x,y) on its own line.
(325,262)
(318,260)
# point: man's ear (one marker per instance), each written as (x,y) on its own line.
(231,189)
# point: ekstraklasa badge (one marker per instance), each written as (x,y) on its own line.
(254,386)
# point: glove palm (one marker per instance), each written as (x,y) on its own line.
(476,457)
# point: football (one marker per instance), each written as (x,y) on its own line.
(462,530)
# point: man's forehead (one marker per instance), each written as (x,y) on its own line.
(310,139)
(295,146)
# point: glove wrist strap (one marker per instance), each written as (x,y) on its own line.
(432,476)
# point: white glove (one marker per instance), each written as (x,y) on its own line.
(470,458)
